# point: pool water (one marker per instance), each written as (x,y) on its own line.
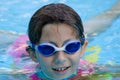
(105,76)
(14,19)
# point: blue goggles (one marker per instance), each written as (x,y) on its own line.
(48,49)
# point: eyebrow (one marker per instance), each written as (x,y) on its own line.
(53,43)
(57,45)
(66,41)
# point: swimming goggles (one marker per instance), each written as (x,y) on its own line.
(48,49)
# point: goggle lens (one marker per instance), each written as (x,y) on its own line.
(72,47)
(46,50)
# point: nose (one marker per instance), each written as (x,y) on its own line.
(60,57)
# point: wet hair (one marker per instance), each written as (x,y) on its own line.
(54,13)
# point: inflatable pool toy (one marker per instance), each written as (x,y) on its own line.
(93,57)
(18,51)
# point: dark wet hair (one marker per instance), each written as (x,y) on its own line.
(54,13)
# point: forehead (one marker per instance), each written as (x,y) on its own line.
(61,32)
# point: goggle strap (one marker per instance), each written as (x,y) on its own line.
(30,44)
(83,38)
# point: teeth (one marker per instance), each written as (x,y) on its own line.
(60,69)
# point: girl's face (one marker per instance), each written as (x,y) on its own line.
(60,65)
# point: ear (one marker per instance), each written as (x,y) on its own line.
(83,47)
(31,53)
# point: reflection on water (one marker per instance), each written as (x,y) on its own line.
(100,76)
(106,72)
(105,76)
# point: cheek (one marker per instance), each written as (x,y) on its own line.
(76,58)
(44,61)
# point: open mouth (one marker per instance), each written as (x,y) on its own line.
(60,69)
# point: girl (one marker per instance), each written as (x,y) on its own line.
(57,43)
